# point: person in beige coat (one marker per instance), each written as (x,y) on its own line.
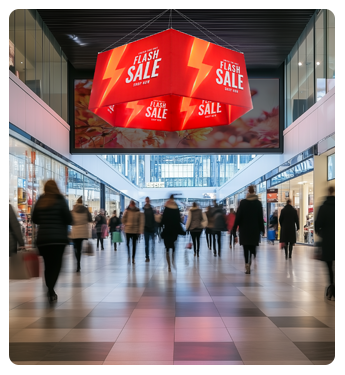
(80,228)
(133,220)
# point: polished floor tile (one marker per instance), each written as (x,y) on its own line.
(207,311)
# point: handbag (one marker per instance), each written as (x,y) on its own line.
(32,263)
(18,269)
(116,237)
(88,248)
(104,230)
(189,245)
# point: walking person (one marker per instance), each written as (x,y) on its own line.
(230,223)
(171,223)
(15,233)
(274,225)
(134,226)
(80,228)
(208,230)
(149,227)
(289,223)
(325,228)
(114,224)
(53,217)
(100,221)
(196,222)
(249,220)
(219,225)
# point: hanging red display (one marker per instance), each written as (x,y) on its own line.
(170,81)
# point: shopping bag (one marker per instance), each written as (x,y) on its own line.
(88,248)
(18,269)
(32,263)
(104,230)
(271,235)
(116,237)
(189,245)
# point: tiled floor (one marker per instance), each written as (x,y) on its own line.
(206,311)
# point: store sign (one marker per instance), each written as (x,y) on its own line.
(155,184)
(272,195)
(170,81)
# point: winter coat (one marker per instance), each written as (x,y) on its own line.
(81,219)
(249,219)
(171,223)
(53,220)
(196,220)
(219,221)
(230,220)
(149,217)
(210,218)
(15,234)
(100,220)
(325,228)
(114,222)
(133,220)
(289,223)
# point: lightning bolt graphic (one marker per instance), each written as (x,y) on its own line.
(197,54)
(111,70)
(186,108)
(136,110)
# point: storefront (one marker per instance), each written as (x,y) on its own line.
(30,168)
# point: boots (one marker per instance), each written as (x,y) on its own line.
(247,269)
(286,252)
(115,249)
(168,260)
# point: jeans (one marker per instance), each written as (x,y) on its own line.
(134,238)
(52,257)
(248,251)
(147,236)
(78,243)
(217,233)
(196,241)
(100,239)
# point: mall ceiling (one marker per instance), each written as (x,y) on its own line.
(264,36)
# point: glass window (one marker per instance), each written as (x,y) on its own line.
(46,67)
(330,50)
(30,57)
(11,42)
(320,55)
(39,56)
(19,43)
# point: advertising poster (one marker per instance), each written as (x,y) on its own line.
(257,130)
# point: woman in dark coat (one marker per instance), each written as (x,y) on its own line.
(171,223)
(114,223)
(289,223)
(250,221)
(15,235)
(100,221)
(325,228)
(52,215)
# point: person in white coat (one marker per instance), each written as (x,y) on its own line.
(80,228)
(196,222)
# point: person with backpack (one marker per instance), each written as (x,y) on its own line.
(114,223)
(249,219)
(196,222)
(149,227)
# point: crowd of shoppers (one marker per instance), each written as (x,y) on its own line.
(52,215)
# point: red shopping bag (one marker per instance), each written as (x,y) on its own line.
(32,263)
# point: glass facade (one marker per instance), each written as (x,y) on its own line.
(310,66)
(37,60)
(131,166)
(30,168)
(195,170)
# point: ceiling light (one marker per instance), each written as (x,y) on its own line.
(301,183)
(318,63)
(299,63)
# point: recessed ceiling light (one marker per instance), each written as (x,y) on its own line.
(318,63)
(299,63)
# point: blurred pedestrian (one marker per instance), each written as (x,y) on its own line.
(219,225)
(114,226)
(158,219)
(208,230)
(149,227)
(53,217)
(100,221)
(133,221)
(325,228)
(249,219)
(230,223)
(80,228)
(196,222)
(274,225)
(15,234)
(289,223)
(171,223)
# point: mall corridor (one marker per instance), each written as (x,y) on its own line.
(206,311)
